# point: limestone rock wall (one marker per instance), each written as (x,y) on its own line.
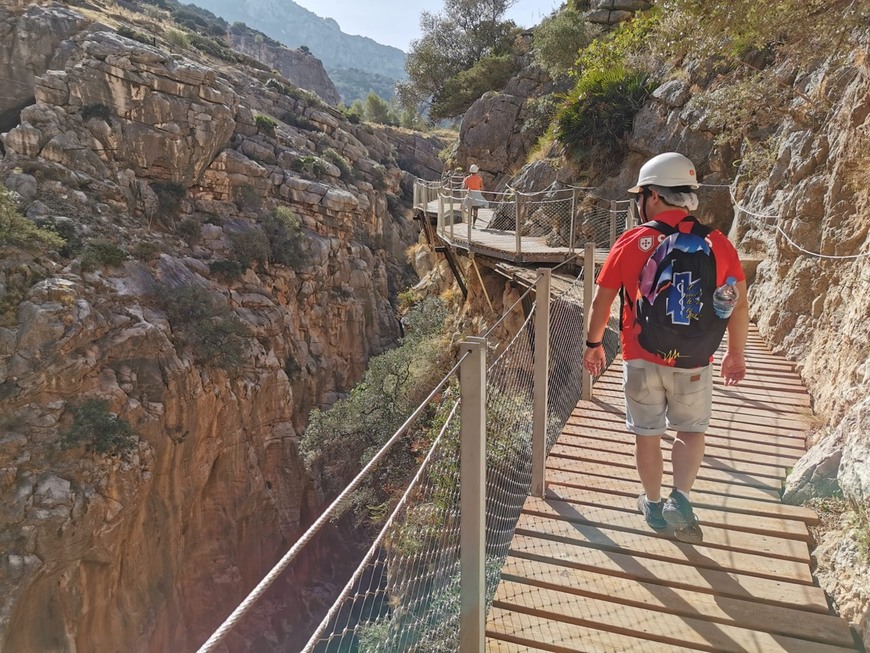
(303,69)
(147,552)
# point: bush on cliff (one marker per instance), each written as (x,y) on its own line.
(18,231)
(99,429)
(342,439)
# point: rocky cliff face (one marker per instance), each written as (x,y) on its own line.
(807,219)
(175,164)
(301,68)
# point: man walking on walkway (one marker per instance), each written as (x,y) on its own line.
(669,386)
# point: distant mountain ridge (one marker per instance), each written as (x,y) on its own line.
(357,64)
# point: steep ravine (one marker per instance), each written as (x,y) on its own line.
(127,146)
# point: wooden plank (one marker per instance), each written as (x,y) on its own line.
(600,478)
(534,630)
(714,535)
(654,626)
(747,533)
(770,517)
(502,646)
(649,545)
(710,470)
(616,431)
(710,581)
(615,422)
(715,445)
(773,619)
(624,444)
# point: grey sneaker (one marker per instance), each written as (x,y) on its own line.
(678,512)
(652,512)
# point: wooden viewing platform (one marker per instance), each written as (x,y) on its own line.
(585,573)
(502,244)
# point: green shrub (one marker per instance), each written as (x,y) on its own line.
(136,35)
(226,270)
(99,430)
(265,124)
(395,383)
(599,113)
(558,40)
(340,162)
(286,238)
(96,110)
(250,246)
(145,251)
(310,166)
(177,38)
(458,93)
(18,231)
(247,198)
(190,230)
(102,252)
(169,195)
(298,120)
(213,333)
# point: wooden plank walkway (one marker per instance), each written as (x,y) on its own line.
(502,244)
(585,574)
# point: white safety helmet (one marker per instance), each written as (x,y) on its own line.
(473,168)
(669,170)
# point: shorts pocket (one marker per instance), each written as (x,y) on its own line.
(693,382)
(636,387)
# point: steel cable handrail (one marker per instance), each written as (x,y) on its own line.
(300,544)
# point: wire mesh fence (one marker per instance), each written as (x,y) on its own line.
(518,224)
(406,595)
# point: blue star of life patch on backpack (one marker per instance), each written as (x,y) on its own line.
(674,298)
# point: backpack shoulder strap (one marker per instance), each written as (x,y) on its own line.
(663,227)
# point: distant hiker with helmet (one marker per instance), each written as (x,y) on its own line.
(668,269)
(473,185)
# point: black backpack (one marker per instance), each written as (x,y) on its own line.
(674,298)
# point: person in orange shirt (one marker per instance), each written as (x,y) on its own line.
(473,185)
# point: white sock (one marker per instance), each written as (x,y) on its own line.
(685,494)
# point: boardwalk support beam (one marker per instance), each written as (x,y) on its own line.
(472,499)
(542,373)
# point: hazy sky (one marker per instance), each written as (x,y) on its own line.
(397,22)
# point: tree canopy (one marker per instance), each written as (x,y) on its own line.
(453,41)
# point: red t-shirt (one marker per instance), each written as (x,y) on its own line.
(628,256)
(473,182)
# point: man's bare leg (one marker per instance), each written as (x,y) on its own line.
(687,456)
(648,458)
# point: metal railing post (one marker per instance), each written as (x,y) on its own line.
(452,218)
(518,205)
(588,293)
(542,383)
(612,223)
(631,216)
(472,499)
(573,210)
(440,215)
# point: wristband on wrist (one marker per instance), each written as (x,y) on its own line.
(593,345)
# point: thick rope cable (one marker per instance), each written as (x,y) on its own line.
(336,606)
(300,544)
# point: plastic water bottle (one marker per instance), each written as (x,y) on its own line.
(725,298)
